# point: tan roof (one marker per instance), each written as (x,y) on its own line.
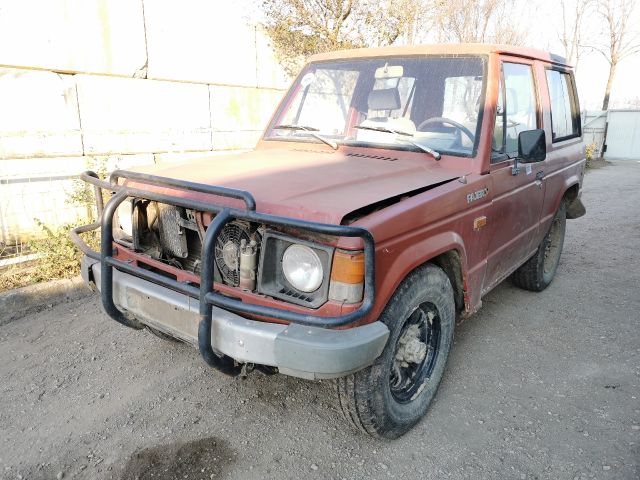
(445,48)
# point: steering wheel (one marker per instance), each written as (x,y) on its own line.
(444,120)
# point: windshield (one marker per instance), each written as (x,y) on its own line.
(408,103)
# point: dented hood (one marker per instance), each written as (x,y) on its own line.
(313,185)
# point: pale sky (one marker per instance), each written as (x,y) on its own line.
(541,19)
(593,69)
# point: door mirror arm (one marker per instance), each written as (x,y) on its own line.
(515,168)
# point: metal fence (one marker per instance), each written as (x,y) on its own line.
(593,129)
(623,135)
(615,134)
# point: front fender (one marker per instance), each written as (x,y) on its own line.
(397,262)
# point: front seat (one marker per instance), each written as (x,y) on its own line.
(383,102)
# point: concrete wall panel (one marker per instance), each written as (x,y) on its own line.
(92,36)
(121,115)
(239,115)
(122,83)
(238,108)
(200,41)
(38,114)
(235,140)
(270,73)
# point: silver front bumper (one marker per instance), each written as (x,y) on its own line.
(306,352)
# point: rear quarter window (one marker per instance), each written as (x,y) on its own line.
(565,112)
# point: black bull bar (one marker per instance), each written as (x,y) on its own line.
(206,293)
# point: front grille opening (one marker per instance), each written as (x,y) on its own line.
(168,234)
(173,235)
(191,262)
(300,296)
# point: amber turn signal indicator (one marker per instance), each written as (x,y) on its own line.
(479,222)
(347,277)
(348,267)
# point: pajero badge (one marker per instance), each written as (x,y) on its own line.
(477,195)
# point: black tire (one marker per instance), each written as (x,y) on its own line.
(537,273)
(384,400)
(162,335)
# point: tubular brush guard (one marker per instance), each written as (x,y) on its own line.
(206,292)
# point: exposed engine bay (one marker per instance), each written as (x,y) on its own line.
(254,257)
(174,235)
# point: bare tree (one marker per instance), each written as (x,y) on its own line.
(633,102)
(621,40)
(413,19)
(299,28)
(573,16)
(480,21)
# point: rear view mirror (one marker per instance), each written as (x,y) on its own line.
(389,71)
(532,146)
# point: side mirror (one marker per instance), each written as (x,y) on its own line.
(532,147)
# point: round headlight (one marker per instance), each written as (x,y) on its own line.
(124,218)
(302,268)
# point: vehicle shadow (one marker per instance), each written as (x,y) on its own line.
(204,458)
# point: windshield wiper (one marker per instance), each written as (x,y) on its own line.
(424,148)
(312,131)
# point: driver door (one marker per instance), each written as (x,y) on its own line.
(518,195)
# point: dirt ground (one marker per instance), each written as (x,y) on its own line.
(538,386)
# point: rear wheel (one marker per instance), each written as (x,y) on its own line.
(537,273)
(392,395)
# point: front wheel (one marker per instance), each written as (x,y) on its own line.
(388,398)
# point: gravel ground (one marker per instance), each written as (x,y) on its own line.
(538,386)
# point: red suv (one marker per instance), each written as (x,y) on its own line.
(392,189)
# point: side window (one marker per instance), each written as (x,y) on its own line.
(565,121)
(520,103)
(517,107)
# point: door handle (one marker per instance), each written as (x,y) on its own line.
(540,175)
